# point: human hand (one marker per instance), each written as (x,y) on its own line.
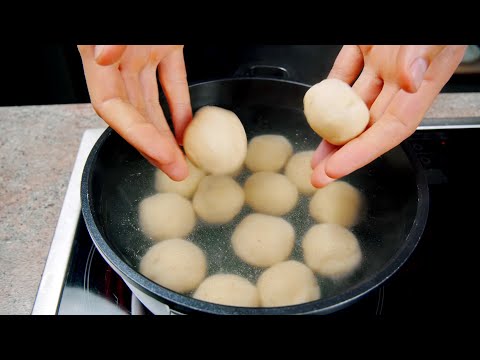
(398,84)
(123,89)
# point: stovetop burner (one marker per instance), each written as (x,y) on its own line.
(77,280)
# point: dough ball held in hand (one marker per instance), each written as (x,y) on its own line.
(228,289)
(299,172)
(166,215)
(335,111)
(331,250)
(268,153)
(176,264)
(186,187)
(218,199)
(337,203)
(287,283)
(270,193)
(215,140)
(263,240)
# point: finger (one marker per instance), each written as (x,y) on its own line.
(103,82)
(130,69)
(154,144)
(134,90)
(412,64)
(400,119)
(382,101)
(174,170)
(149,85)
(148,80)
(173,77)
(319,176)
(348,64)
(108,54)
(109,99)
(368,86)
(322,151)
(382,136)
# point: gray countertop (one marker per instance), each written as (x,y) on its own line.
(38,147)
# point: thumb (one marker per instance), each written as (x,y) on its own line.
(108,54)
(413,62)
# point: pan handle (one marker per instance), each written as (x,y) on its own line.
(263,71)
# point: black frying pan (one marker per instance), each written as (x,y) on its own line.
(116,178)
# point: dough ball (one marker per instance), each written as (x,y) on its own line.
(176,264)
(299,172)
(237,172)
(186,187)
(270,193)
(337,203)
(335,111)
(215,140)
(287,283)
(331,250)
(263,240)
(166,215)
(228,289)
(218,199)
(268,153)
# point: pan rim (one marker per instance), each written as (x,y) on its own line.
(187,304)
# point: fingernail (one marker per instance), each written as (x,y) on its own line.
(418,69)
(177,170)
(178,173)
(319,177)
(98,51)
(320,181)
(179,138)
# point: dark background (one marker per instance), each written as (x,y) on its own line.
(53,74)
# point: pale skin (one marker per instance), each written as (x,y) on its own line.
(398,84)
(123,88)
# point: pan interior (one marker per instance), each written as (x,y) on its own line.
(122,178)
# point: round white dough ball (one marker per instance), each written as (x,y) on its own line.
(268,153)
(263,240)
(331,250)
(337,203)
(335,111)
(299,171)
(228,289)
(287,283)
(218,199)
(215,140)
(166,215)
(270,193)
(176,264)
(237,172)
(186,187)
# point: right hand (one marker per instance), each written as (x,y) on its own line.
(123,89)
(399,85)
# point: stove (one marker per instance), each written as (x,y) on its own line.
(436,279)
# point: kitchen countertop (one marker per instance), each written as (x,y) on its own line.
(38,147)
